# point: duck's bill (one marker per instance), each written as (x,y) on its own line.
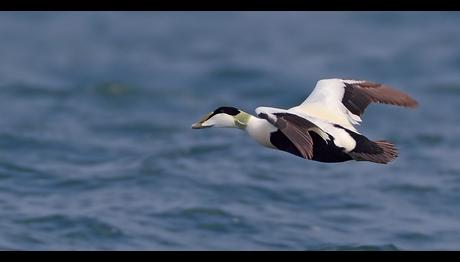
(199,124)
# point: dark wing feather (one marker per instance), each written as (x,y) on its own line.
(295,129)
(358,95)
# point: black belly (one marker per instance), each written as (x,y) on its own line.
(322,151)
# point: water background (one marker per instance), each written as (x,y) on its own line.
(97,153)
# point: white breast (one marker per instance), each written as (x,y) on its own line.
(260,130)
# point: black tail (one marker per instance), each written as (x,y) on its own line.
(382,152)
(375,151)
(389,150)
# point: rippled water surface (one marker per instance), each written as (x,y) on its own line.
(97,153)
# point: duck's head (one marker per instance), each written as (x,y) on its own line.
(223,117)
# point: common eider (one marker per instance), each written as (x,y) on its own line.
(322,127)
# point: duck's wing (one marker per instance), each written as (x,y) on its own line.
(344,101)
(294,127)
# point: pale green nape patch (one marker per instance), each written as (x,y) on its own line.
(242,119)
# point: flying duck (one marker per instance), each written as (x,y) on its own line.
(321,128)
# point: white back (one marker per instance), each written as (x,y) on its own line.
(325,102)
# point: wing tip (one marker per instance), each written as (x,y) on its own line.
(412,103)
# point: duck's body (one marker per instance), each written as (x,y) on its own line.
(321,128)
(268,135)
(324,149)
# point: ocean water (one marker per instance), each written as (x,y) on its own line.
(97,153)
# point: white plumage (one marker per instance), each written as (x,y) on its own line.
(325,102)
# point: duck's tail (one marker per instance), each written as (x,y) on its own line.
(382,152)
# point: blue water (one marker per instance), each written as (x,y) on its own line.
(97,153)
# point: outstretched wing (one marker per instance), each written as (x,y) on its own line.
(344,101)
(295,128)
(359,94)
